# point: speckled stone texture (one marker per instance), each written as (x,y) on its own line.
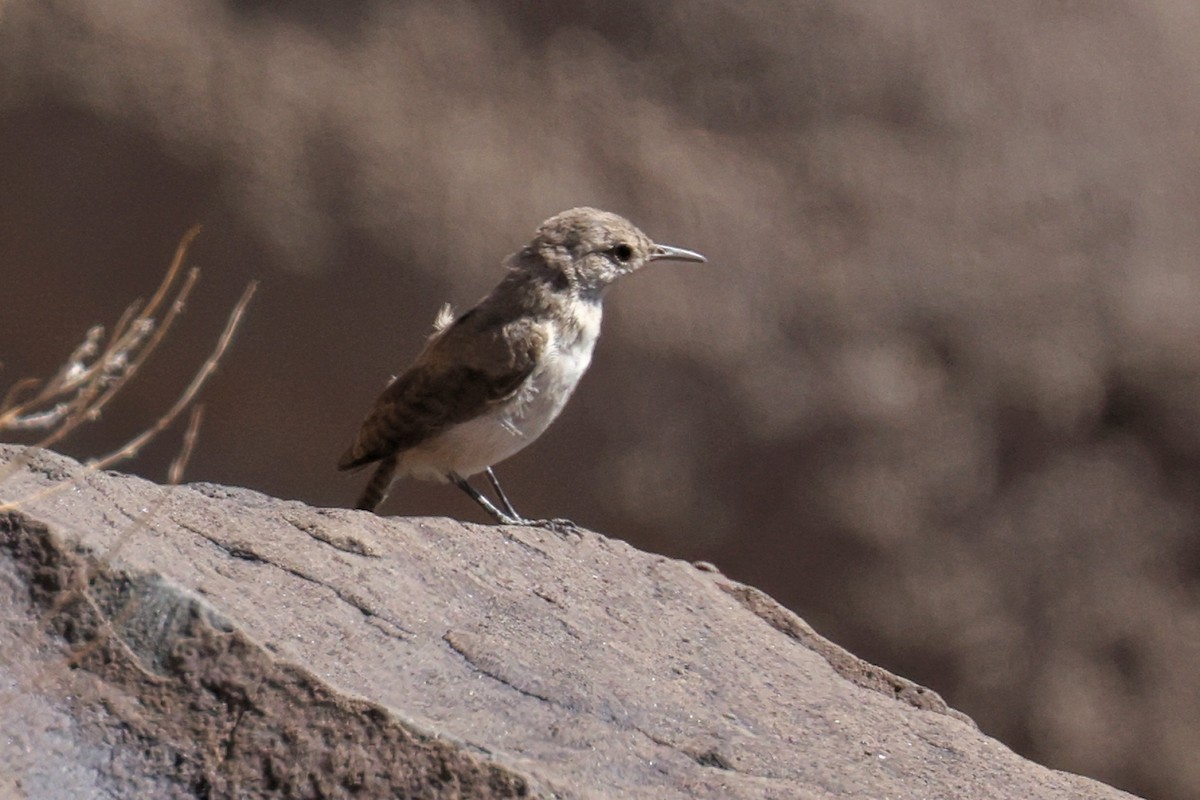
(204,641)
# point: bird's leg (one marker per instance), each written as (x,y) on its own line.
(509,516)
(562,527)
(488,505)
(504,501)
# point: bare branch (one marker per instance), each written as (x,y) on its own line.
(14,415)
(90,376)
(129,368)
(134,445)
(175,473)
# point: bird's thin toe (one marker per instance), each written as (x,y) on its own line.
(563,527)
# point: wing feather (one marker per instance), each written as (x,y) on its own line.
(464,370)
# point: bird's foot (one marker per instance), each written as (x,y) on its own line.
(563,527)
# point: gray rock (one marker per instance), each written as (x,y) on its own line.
(203,641)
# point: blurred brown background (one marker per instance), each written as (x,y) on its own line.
(938,389)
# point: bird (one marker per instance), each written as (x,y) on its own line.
(488,382)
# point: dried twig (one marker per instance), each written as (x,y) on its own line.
(121,366)
(99,368)
(179,464)
(90,378)
(134,445)
(131,448)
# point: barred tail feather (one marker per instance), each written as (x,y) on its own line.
(377,488)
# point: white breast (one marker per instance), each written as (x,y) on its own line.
(473,446)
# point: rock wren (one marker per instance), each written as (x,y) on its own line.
(490,382)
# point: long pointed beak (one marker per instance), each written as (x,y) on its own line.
(668,253)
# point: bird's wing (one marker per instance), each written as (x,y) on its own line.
(462,372)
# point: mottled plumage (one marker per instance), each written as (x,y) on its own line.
(490,382)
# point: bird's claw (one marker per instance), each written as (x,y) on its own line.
(563,527)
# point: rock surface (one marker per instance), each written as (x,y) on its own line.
(205,641)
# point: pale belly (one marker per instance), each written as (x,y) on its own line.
(472,446)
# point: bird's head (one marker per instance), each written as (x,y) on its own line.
(593,248)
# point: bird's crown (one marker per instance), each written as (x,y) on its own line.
(593,248)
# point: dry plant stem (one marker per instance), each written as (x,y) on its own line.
(175,473)
(86,350)
(108,374)
(16,415)
(74,371)
(135,444)
(133,327)
(91,409)
(10,400)
(130,331)
(175,310)
(176,263)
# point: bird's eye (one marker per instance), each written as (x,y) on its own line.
(622,252)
